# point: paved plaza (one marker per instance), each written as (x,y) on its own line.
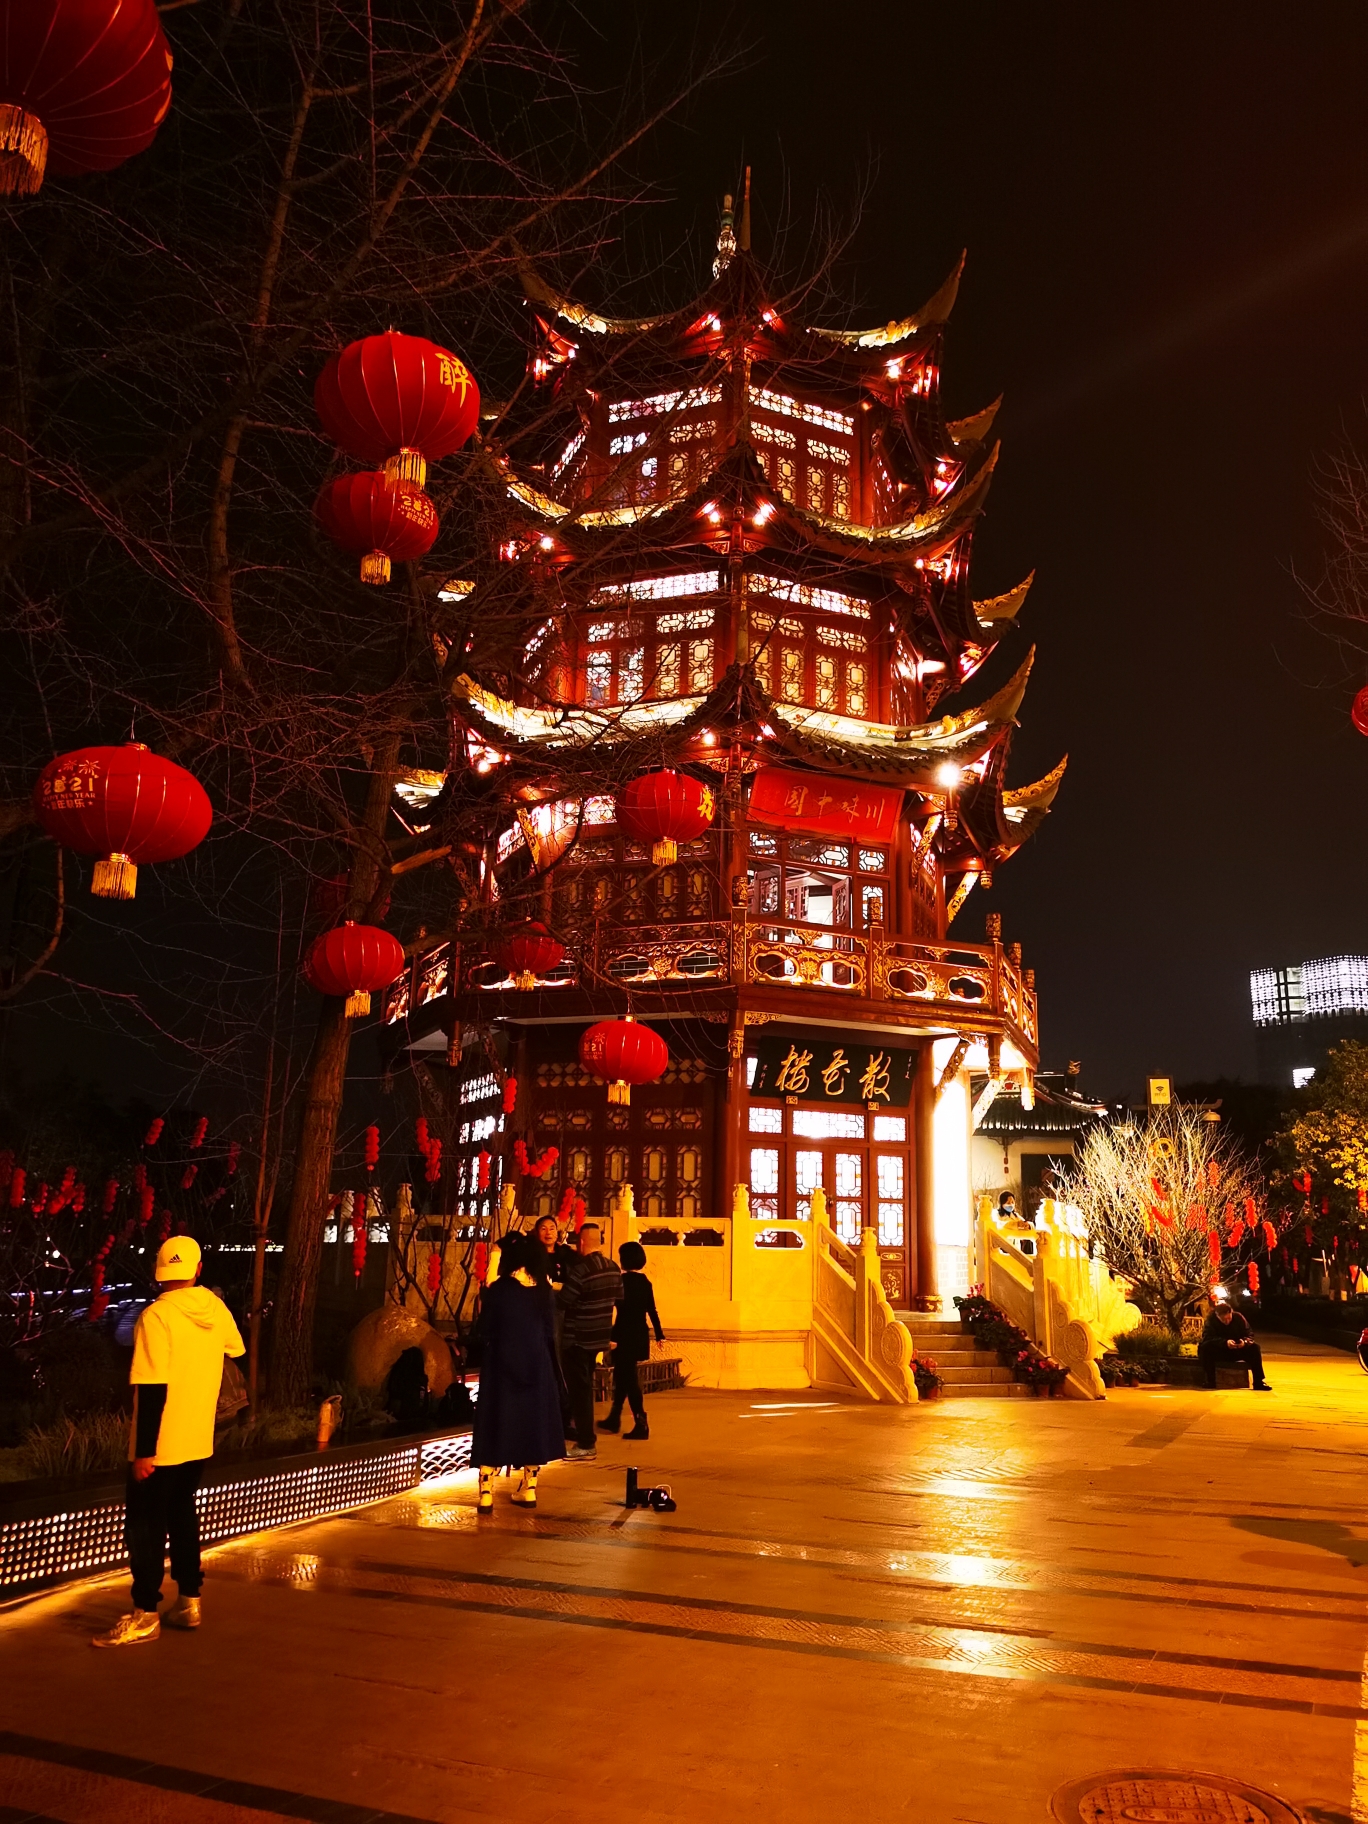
(946,1613)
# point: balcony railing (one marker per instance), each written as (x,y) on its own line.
(870,965)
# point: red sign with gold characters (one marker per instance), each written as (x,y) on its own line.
(826,807)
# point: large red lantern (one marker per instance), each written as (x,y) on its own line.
(1359,713)
(84,84)
(379,519)
(623,1053)
(665,808)
(125,804)
(397,400)
(356,961)
(527,951)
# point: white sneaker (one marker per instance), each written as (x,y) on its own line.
(128,1630)
(577,1453)
(184,1613)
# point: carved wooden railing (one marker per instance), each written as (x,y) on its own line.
(1065,1301)
(782,953)
(852,1320)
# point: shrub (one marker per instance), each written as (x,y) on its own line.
(1146,1343)
(76,1446)
(1117,1372)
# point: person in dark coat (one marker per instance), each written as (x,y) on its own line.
(631,1340)
(1227,1341)
(518,1414)
(592,1287)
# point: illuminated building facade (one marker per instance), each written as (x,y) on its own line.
(1302,1010)
(745,554)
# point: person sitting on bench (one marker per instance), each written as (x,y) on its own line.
(1228,1342)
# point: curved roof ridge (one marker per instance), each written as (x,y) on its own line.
(934,312)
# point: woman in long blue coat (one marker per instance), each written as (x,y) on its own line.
(518,1414)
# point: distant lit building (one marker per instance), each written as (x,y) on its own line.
(1302,1010)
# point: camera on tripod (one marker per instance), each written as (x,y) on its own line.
(658,1499)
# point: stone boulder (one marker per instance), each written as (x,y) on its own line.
(382,1337)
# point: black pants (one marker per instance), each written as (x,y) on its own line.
(160,1509)
(579,1382)
(1217,1355)
(627,1390)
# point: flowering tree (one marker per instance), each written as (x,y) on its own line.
(1172,1206)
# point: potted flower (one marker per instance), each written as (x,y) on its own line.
(929,1382)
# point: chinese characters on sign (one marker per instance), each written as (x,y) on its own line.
(827,807)
(820,1072)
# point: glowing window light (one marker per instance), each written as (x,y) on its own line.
(828,452)
(804,595)
(1328,985)
(455,589)
(479,1089)
(622,446)
(844,638)
(767,1120)
(828,1124)
(658,588)
(510,842)
(774,433)
(621,409)
(689,618)
(784,407)
(568,455)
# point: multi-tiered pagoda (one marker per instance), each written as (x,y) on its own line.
(745,555)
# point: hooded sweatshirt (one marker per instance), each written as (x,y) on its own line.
(178,1350)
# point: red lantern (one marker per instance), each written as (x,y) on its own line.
(397,400)
(434,1274)
(623,1053)
(355,960)
(1359,713)
(84,84)
(527,951)
(125,804)
(378,519)
(664,808)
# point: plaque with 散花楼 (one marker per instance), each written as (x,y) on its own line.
(821,1070)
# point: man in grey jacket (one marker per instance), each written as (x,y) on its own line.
(593,1285)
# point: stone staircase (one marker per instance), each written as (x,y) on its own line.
(968,1373)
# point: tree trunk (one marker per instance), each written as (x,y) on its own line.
(324,1082)
(293,1318)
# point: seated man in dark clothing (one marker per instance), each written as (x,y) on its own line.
(1228,1342)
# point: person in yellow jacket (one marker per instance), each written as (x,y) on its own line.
(178,1349)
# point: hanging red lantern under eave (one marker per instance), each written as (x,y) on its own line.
(356,961)
(1358,715)
(398,400)
(378,519)
(125,804)
(665,808)
(622,1053)
(527,951)
(84,84)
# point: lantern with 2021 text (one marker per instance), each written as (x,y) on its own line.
(356,961)
(397,400)
(664,808)
(623,1053)
(125,805)
(378,519)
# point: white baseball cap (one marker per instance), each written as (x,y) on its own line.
(177,1258)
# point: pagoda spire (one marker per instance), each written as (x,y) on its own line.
(726,238)
(743,239)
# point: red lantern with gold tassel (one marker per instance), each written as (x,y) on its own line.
(622,1053)
(356,961)
(84,84)
(664,808)
(378,520)
(398,400)
(125,804)
(528,951)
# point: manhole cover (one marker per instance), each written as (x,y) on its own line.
(1138,1797)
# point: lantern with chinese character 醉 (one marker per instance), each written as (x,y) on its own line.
(397,400)
(356,961)
(84,84)
(378,519)
(664,808)
(124,804)
(528,951)
(622,1053)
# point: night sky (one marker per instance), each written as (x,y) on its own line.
(1167,231)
